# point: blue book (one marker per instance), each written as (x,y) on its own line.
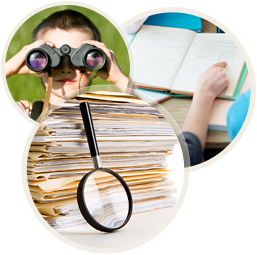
(176,20)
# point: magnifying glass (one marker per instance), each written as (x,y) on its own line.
(103,197)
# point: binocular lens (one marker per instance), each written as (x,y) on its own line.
(94,59)
(106,199)
(37,60)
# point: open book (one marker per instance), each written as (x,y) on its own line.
(171,59)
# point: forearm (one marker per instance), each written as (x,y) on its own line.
(8,70)
(197,120)
(209,85)
(122,83)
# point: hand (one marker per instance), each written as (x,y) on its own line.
(17,65)
(111,72)
(210,84)
(212,81)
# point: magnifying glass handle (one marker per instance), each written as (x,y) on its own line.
(90,132)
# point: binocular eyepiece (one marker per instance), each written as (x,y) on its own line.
(86,55)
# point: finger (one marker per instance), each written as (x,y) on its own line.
(41,42)
(92,42)
(50,43)
(221,64)
(100,46)
(112,56)
(37,44)
(40,72)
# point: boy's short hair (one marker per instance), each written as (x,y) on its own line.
(65,20)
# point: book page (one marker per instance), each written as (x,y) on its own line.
(206,50)
(158,53)
(218,117)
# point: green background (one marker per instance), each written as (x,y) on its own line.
(29,87)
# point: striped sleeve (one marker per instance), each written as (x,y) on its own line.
(25,106)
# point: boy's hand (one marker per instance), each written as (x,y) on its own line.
(111,72)
(209,85)
(212,82)
(17,65)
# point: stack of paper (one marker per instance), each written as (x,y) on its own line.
(134,140)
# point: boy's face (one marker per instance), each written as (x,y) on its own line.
(65,77)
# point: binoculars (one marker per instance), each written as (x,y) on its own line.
(45,57)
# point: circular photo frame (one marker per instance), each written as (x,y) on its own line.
(56,24)
(199,72)
(150,160)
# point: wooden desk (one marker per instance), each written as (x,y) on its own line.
(179,107)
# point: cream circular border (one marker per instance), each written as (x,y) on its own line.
(41,9)
(164,224)
(162,110)
(247,60)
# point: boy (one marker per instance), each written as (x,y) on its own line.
(72,28)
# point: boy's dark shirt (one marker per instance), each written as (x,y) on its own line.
(194,148)
(36,109)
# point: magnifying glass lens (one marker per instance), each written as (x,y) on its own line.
(94,59)
(37,60)
(106,199)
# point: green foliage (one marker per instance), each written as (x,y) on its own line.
(29,87)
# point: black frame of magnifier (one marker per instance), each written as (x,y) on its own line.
(83,207)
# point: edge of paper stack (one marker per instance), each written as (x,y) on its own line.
(134,140)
